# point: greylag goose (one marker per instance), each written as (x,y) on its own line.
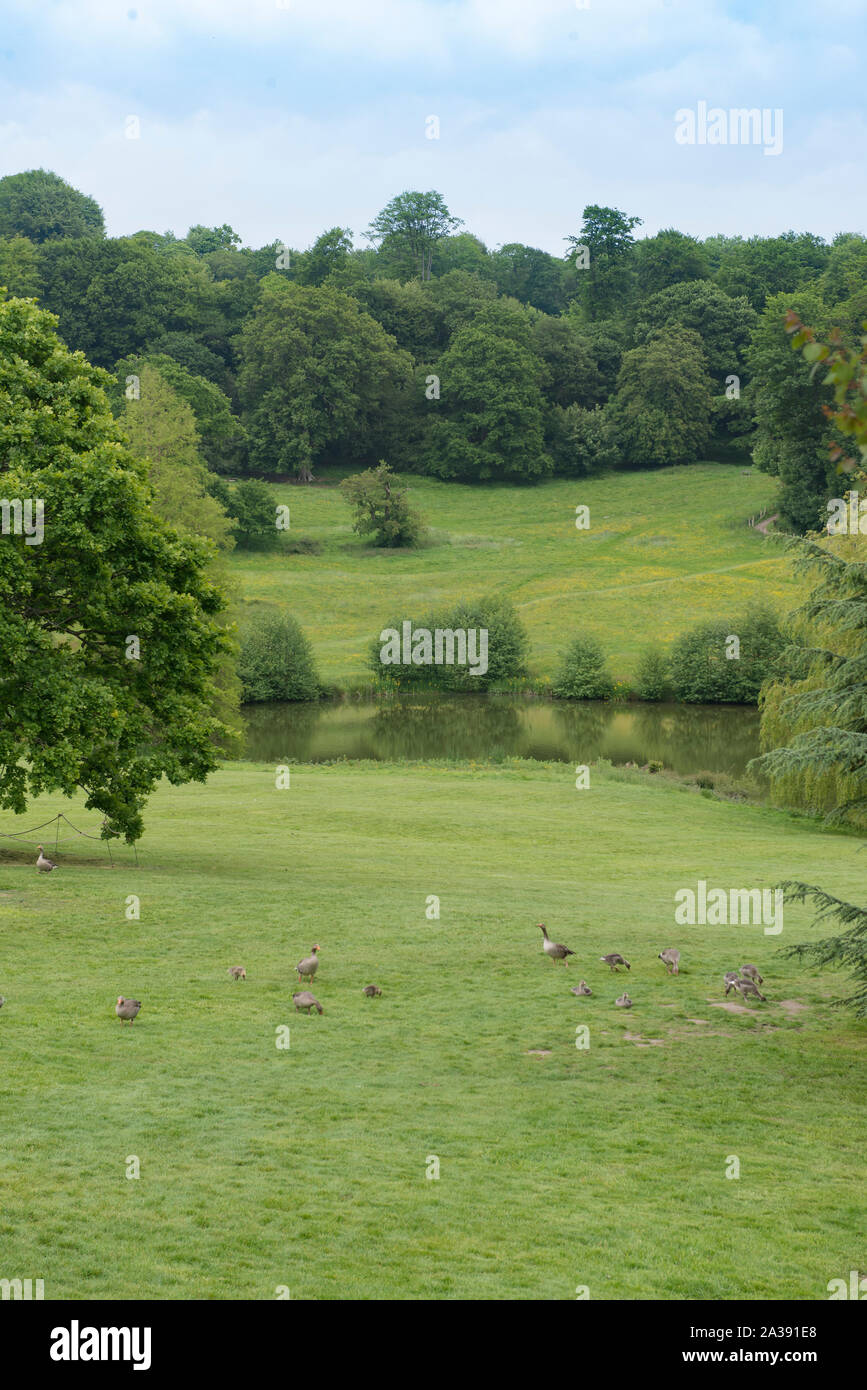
(371,991)
(614,960)
(670,958)
(305,1000)
(553,948)
(731,978)
(126,1008)
(2,1001)
(44,865)
(583,988)
(624,1001)
(752,973)
(745,987)
(309,965)
(238,972)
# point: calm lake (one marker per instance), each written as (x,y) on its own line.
(687,739)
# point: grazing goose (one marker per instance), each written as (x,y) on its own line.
(371,991)
(309,965)
(731,978)
(583,988)
(44,865)
(615,959)
(752,973)
(624,1001)
(238,972)
(126,1008)
(554,948)
(670,958)
(306,1001)
(745,987)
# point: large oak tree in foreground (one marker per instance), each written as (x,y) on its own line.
(77,709)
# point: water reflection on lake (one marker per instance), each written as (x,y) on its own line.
(685,738)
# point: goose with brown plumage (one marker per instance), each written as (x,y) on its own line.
(126,1009)
(748,987)
(44,865)
(670,958)
(306,1001)
(614,960)
(555,949)
(309,965)
(237,972)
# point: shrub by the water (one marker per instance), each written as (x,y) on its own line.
(652,678)
(276,660)
(702,672)
(507,647)
(583,673)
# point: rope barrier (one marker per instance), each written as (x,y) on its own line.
(55,820)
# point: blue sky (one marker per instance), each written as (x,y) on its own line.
(284,117)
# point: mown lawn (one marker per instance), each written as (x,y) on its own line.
(665,549)
(305,1167)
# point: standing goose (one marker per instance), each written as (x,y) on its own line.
(731,978)
(752,973)
(554,948)
(126,1008)
(624,1001)
(306,1001)
(309,965)
(583,988)
(614,960)
(371,991)
(2,1001)
(745,987)
(44,865)
(238,972)
(670,958)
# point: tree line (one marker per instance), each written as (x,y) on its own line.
(430,350)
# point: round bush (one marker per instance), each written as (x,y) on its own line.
(583,674)
(276,661)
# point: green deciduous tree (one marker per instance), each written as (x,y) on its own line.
(382,510)
(76,710)
(663,403)
(19,267)
(161,428)
(669,258)
(787,399)
(42,206)
(114,297)
(489,421)
(606,285)
(320,380)
(723,323)
(409,228)
(222,439)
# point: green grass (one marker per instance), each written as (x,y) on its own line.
(661,554)
(306,1167)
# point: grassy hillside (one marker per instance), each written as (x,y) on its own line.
(306,1167)
(661,553)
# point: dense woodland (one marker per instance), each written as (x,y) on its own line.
(427,349)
